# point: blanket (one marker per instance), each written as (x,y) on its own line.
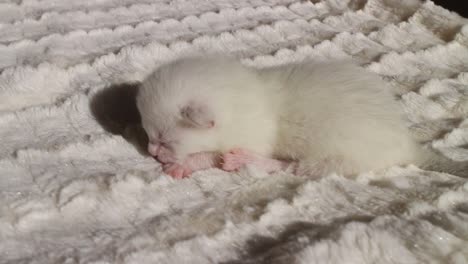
(76,187)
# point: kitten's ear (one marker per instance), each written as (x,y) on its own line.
(198,115)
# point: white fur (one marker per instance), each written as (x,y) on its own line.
(236,96)
(338,117)
(330,117)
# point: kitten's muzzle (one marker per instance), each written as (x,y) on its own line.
(162,153)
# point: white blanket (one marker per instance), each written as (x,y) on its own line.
(71,191)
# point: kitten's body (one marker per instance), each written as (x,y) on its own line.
(327,117)
(340,117)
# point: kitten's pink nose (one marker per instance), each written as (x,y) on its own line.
(153,149)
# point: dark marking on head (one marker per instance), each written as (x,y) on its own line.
(197,115)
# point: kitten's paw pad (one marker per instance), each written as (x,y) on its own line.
(177,171)
(236,159)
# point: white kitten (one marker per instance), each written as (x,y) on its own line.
(327,117)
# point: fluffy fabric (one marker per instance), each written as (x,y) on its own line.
(75,188)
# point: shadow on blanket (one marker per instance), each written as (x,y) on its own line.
(115,110)
(294,238)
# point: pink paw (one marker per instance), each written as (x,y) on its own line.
(236,158)
(177,171)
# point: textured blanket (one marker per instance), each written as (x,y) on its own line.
(75,186)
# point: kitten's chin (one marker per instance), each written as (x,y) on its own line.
(164,155)
(153,149)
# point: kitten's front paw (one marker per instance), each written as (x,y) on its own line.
(177,171)
(235,159)
(238,158)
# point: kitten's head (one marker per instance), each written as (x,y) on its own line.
(178,109)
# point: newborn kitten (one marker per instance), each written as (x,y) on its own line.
(314,118)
